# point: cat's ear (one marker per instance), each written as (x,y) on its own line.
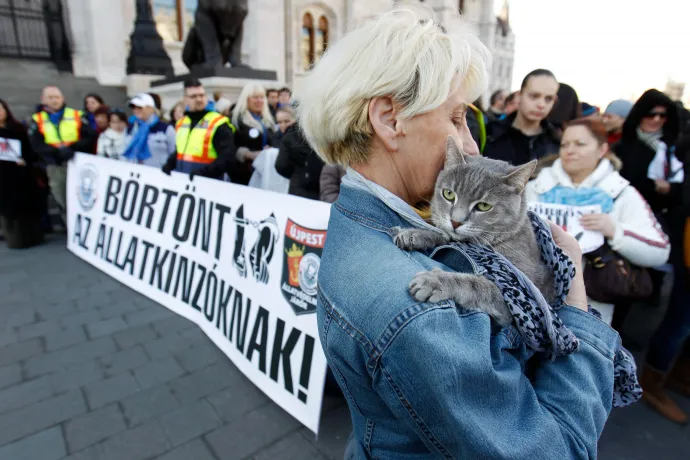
(454,156)
(520,175)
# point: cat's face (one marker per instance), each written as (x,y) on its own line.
(479,199)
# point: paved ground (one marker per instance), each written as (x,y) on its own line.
(89,369)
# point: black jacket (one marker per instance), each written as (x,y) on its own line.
(637,155)
(503,142)
(224,143)
(243,138)
(19,192)
(50,154)
(298,162)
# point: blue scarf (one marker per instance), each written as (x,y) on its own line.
(138,148)
(92,120)
(264,132)
(56,117)
(578,197)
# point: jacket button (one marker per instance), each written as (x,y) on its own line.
(306,176)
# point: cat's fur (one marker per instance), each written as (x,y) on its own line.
(506,228)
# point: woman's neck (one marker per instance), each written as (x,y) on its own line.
(3,123)
(384,171)
(528,127)
(579,177)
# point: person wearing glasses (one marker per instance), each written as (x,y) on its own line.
(205,144)
(647,149)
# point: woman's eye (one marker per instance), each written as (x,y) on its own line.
(448,194)
(483,207)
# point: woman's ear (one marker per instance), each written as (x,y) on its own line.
(603,150)
(382,116)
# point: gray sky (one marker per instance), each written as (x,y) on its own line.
(605,49)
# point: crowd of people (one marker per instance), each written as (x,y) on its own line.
(629,159)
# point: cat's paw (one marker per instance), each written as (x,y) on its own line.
(404,238)
(429,286)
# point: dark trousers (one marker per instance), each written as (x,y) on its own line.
(21,232)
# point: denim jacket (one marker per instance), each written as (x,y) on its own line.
(433,380)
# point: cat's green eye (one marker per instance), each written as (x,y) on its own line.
(448,194)
(483,206)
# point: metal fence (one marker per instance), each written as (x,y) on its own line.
(34,29)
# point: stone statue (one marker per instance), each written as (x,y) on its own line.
(216,37)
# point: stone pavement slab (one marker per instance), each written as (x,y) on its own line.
(91,370)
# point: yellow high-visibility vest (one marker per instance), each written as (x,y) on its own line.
(196,145)
(65,134)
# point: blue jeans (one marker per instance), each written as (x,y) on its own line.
(669,338)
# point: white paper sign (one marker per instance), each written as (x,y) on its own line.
(10,150)
(568,218)
(240,262)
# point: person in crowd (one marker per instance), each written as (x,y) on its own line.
(102,117)
(158,104)
(430,379)
(511,105)
(254,124)
(151,141)
(498,102)
(223,107)
(20,197)
(585,173)
(526,135)
(205,139)
(566,108)
(329,183)
(92,102)
(177,113)
(285,117)
(284,97)
(614,116)
(113,141)
(650,133)
(56,133)
(297,161)
(589,111)
(272,96)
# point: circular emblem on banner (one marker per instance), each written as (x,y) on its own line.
(253,133)
(309,272)
(88,185)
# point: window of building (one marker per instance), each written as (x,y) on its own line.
(314,37)
(174,18)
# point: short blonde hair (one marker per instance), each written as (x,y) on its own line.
(404,54)
(242,107)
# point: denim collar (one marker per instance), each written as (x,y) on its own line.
(355,181)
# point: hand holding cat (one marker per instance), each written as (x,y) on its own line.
(602,223)
(577,296)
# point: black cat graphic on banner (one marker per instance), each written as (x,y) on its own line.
(261,253)
(301,261)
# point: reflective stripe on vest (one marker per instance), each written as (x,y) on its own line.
(66,134)
(196,145)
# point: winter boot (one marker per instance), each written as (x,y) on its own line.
(652,382)
(679,378)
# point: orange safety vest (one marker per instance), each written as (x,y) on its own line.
(67,133)
(195,145)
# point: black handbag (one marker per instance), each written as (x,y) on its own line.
(611,278)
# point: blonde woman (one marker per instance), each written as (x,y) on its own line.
(254,124)
(430,379)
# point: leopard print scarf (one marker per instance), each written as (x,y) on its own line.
(537,321)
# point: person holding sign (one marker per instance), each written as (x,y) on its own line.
(429,379)
(254,122)
(20,207)
(586,174)
(204,138)
(57,132)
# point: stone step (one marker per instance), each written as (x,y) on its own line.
(23,80)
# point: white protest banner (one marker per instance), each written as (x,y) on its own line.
(10,149)
(568,218)
(240,262)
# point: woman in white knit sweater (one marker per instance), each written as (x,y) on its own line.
(586,174)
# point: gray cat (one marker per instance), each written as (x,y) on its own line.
(478,200)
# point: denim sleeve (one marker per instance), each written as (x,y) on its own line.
(466,395)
